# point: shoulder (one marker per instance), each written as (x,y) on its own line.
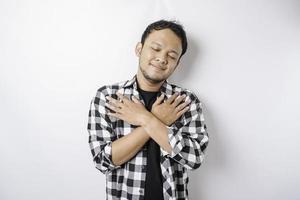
(182,90)
(107,90)
(110,88)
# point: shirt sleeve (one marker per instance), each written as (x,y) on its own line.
(101,134)
(188,137)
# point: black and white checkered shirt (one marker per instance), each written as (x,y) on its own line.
(188,137)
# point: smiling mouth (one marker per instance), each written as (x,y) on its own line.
(157,68)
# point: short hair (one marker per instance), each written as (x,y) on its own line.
(164,24)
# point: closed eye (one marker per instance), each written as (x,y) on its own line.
(172,57)
(155,49)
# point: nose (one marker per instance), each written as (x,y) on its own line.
(161,59)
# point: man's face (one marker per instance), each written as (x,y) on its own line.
(159,55)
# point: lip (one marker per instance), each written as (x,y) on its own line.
(157,68)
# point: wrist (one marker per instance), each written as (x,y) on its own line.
(146,119)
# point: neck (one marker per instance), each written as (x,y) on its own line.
(146,85)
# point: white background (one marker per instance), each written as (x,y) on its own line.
(242,62)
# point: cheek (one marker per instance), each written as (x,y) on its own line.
(172,66)
(147,57)
(144,60)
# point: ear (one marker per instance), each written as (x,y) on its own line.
(138,49)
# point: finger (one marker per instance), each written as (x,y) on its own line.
(112,107)
(114,115)
(184,104)
(178,100)
(183,111)
(159,100)
(180,107)
(122,98)
(135,100)
(114,102)
(171,99)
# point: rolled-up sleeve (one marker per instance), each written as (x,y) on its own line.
(101,134)
(189,137)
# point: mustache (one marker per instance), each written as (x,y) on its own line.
(158,66)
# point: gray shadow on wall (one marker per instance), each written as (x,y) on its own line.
(213,163)
(214,156)
(187,63)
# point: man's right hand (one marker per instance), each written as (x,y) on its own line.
(170,110)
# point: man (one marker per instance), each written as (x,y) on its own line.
(145,133)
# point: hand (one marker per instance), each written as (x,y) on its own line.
(133,112)
(170,110)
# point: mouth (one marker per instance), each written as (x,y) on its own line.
(156,67)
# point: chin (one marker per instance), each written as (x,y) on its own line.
(153,76)
(154,79)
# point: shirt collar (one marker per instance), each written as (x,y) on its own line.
(165,87)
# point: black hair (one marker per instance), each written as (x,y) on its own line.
(164,24)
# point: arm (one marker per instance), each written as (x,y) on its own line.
(158,132)
(126,147)
(188,137)
(108,151)
(101,134)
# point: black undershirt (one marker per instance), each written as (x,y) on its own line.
(153,185)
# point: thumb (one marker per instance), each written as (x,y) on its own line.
(135,100)
(159,99)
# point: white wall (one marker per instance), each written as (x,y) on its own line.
(243,63)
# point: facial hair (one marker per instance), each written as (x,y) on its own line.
(149,78)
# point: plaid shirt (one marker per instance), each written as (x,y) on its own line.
(188,137)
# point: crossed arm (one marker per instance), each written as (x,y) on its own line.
(185,142)
(135,113)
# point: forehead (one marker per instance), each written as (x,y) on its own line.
(166,38)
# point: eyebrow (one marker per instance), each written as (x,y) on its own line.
(172,50)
